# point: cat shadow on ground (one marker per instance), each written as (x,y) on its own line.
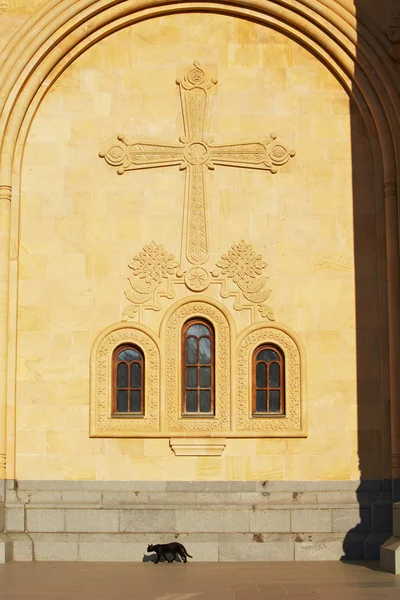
(153,557)
(149,558)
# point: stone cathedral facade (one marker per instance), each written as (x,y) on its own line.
(199,279)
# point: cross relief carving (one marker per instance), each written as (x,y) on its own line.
(195,153)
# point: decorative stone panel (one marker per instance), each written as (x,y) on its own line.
(102,424)
(175,320)
(293,423)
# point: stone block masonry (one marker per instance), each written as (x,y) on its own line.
(217,521)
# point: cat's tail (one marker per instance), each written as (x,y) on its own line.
(188,554)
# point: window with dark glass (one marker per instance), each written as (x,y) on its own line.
(128,381)
(198,368)
(268,381)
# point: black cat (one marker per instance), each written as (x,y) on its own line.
(175,549)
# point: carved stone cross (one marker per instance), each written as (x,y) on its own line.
(194,153)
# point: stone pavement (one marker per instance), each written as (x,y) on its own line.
(197,581)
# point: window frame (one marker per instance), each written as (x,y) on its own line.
(184,365)
(115,362)
(268,389)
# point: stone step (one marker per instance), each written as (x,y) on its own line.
(121,499)
(188,519)
(210,547)
(225,520)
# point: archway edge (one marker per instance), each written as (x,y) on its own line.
(41,43)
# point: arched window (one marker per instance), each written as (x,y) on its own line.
(128,381)
(198,368)
(268,381)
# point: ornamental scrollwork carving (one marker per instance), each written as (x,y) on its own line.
(5,193)
(291,422)
(150,267)
(246,269)
(155,273)
(396,462)
(101,421)
(222,419)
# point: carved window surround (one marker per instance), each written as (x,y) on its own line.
(102,423)
(293,423)
(174,321)
(233,382)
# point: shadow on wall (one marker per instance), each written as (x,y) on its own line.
(374,446)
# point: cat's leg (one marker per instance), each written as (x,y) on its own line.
(173,556)
(182,552)
(157,559)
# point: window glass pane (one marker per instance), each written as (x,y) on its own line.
(191,401)
(205,377)
(129,354)
(274,401)
(122,375)
(205,401)
(268,355)
(198,330)
(122,401)
(261,401)
(191,377)
(261,375)
(135,375)
(191,351)
(135,401)
(274,375)
(205,351)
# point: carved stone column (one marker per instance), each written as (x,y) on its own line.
(393,270)
(390,551)
(5,209)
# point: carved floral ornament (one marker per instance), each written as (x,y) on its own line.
(245,267)
(156,272)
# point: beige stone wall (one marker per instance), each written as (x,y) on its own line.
(80,225)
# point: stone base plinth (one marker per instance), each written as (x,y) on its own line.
(216,521)
(6,552)
(390,555)
(390,551)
